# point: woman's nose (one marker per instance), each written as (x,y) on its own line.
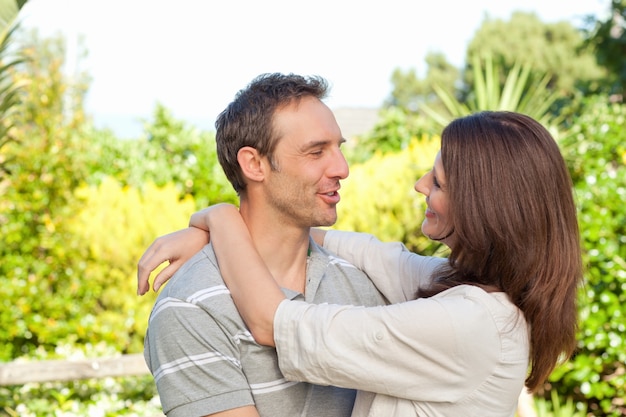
(421,185)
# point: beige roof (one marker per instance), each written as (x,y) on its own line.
(355,121)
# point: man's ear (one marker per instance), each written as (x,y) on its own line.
(251,163)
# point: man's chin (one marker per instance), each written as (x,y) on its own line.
(327,222)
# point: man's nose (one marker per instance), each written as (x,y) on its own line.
(339,168)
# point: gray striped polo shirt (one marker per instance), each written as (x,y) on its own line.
(204,359)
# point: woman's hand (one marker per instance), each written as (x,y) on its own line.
(176,248)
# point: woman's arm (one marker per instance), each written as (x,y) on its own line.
(396,271)
(251,284)
(177,247)
(429,349)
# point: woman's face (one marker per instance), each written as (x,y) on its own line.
(436,221)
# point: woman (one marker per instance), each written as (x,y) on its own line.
(458,340)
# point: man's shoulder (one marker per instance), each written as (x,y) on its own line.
(331,260)
(196,296)
(333,279)
(198,283)
(200,271)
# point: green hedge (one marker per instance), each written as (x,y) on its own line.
(378,197)
(596,150)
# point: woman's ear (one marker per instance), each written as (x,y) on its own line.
(251,163)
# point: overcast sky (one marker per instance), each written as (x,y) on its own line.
(192,56)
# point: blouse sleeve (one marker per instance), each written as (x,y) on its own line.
(396,272)
(421,350)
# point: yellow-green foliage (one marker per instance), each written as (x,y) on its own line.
(117,225)
(118,222)
(378,197)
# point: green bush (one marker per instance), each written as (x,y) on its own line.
(88,294)
(555,408)
(378,197)
(116,226)
(170,153)
(97,310)
(596,150)
(40,256)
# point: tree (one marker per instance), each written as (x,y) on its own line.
(170,151)
(187,158)
(47,161)
(520,92)
(523,47)
(548,48)
(400,122)
(608,40)
(409,91)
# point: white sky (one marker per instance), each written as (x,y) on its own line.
(192,56)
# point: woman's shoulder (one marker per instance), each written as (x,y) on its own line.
(471,300)
(477,307)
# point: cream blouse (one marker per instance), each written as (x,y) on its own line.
(463,352)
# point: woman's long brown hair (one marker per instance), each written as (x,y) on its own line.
(514,216)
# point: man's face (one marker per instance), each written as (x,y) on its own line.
(304,189)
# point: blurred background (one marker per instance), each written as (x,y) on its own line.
(107,141)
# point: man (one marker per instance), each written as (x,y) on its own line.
(279,146)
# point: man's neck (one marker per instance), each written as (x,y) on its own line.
(283,248)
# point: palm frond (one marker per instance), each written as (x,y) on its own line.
(9,87)
(517,93)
